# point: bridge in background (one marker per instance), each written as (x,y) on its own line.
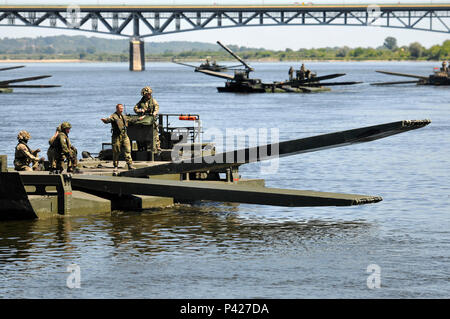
(141,22)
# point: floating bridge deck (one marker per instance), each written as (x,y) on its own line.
(161,184)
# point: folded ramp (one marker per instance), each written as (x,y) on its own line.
(282,149)
(192,191)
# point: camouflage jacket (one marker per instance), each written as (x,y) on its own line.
(24,155)
(147,106)
(119,123)
(62,144)
(53,138)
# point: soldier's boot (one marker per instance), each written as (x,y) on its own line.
(116,168)
(130,166)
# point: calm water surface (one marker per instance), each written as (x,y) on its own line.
(246,251)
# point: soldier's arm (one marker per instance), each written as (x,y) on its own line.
(134,120)
(155,113)
(53,138)
(24,150)
(107,120)
(64,148)
(138,109)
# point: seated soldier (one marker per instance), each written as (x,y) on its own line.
(64,151)
(24,156)
(51,153)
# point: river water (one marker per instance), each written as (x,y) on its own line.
(213,250)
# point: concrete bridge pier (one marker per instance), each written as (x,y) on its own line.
(137,55)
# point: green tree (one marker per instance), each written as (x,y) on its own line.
(390,43)
(415,50)
(342,52)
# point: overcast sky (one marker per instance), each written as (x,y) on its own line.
(270,37)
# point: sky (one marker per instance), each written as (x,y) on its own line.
(269,37)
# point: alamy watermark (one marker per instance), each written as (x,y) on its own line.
(73,16)
(374,279)
(373,15)
(74,278)
(236,145)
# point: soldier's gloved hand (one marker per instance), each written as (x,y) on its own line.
(37,151)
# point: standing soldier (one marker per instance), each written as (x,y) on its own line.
(301,73)
(149,106)
(291,73)
(24,156)
(444,67)
(63,150)
(120,140)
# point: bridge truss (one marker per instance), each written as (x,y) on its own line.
(146,22)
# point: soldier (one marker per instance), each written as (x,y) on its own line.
(63,150)
(444,67)
(52,153)
(120,140)
(291,73)
(302,72)
(24,156)
(149,106)
(306,73)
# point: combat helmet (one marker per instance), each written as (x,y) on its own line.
(146,90)
(23,135)
(65,125)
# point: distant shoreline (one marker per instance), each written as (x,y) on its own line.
(193,61)
(45,61)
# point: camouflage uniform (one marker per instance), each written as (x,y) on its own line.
(291,73)
(444,67)
(52,154)
(63,150)
(24,156)
(120,141)
(149,106)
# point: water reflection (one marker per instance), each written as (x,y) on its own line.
(181,229)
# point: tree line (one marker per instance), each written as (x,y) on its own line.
(98,49)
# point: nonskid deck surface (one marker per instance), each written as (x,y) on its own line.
(97,167)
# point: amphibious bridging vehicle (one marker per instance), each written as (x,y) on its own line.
(240,82)
(438,78)
(186,170)
(6,87)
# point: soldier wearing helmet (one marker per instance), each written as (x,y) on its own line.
(444,67)
(63,151)
(120,141)
(149,106)
(291,73)
(52,153)
(24,156)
